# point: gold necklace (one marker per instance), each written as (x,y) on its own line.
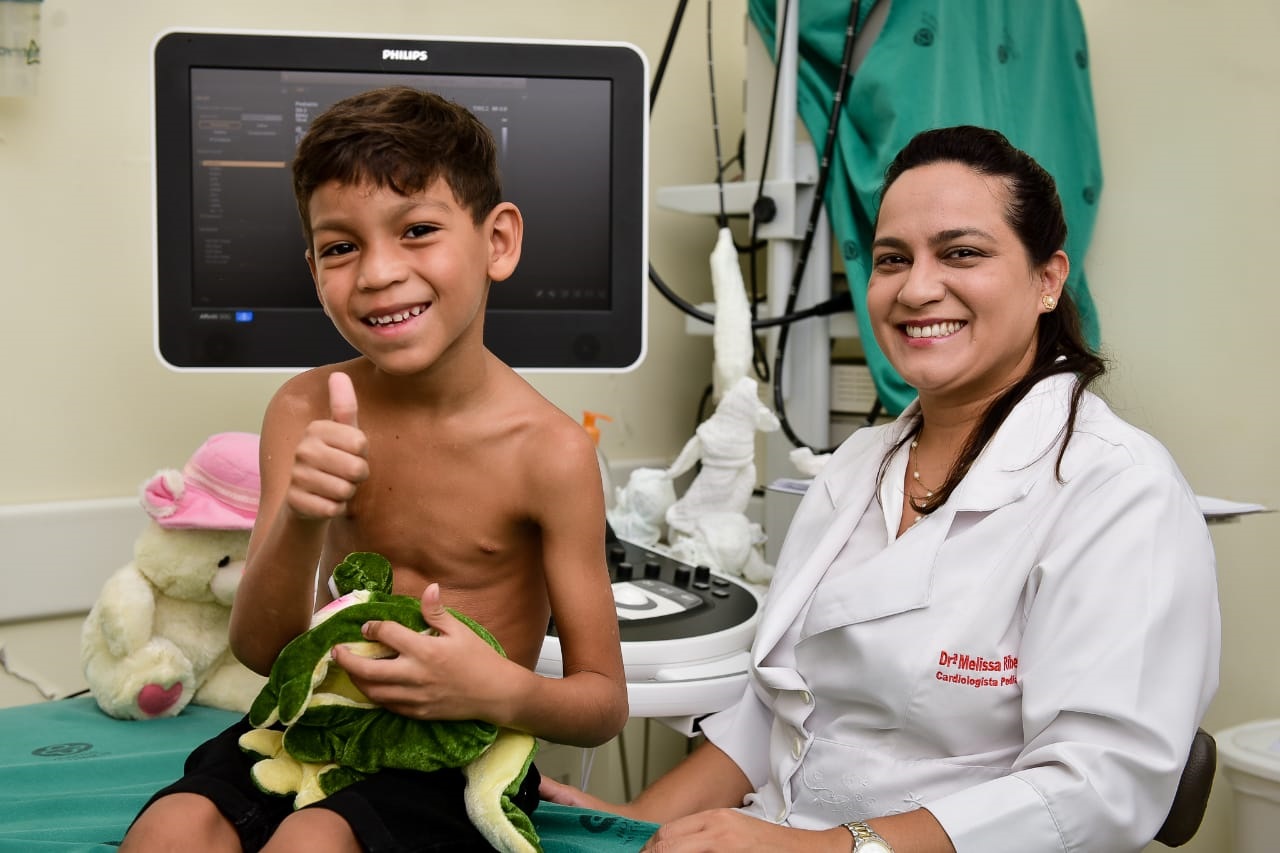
(915,468)
(913,463)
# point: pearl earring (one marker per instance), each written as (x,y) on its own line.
(1048,302)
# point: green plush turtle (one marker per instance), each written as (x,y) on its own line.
(315,732)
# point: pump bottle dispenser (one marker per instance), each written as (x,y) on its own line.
(606,476)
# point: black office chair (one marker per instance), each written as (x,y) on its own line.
(1192,796)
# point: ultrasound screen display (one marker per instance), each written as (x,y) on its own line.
(570,120)
(246,124)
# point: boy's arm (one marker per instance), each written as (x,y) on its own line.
(588,706)
(312,457)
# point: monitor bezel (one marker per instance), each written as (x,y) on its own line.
(529,340)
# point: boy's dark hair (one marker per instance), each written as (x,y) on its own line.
(403,139)
(1034,212)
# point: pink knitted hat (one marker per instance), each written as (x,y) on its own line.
(217,489)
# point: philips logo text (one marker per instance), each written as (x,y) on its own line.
(404,55)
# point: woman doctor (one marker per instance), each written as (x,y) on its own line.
(994,623)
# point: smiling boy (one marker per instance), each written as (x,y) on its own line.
(428,449)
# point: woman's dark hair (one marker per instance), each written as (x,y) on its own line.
(402,139)
(1034,212)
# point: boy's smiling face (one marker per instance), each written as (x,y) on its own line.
(405,278)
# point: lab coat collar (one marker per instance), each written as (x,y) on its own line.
(1003,473)
(818,532)
(1027,441)
(1009,465)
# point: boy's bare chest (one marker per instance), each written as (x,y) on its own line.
(441,508)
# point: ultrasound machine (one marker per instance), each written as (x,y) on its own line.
(686,634)
(571,121)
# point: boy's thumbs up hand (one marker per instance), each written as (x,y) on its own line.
(331,459)
(342,399)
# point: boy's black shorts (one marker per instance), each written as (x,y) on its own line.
(392,810)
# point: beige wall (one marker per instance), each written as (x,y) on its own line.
(99,412)
(1185,280)
(1181,266)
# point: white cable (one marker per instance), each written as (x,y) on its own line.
(588,758)
(44,688)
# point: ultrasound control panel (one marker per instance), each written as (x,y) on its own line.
(659,598)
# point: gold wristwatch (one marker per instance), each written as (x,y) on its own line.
(865,839)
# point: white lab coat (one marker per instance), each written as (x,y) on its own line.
(1030,662)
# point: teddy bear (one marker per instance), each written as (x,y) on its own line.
(156,638)
(315,732)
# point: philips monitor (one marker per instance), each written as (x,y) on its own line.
(232,288)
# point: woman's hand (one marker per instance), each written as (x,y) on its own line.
(706,781)
(567,795)
(729,830)
(715,831)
